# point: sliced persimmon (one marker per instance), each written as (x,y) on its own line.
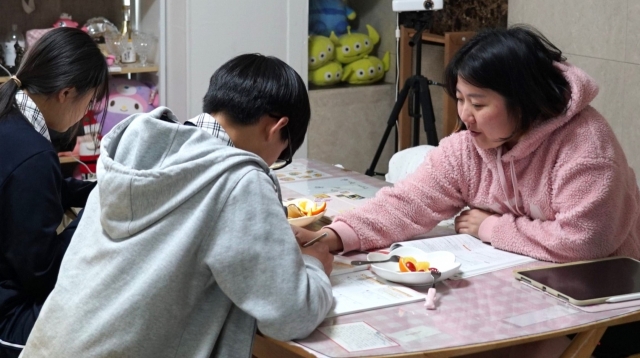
(422,266)
(407,264)
(319,208)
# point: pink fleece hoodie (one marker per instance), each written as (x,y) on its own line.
(563,193)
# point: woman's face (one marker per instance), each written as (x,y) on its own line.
(484,113)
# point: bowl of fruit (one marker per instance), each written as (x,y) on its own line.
(414,265)
(302,212)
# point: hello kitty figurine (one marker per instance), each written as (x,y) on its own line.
(127,97)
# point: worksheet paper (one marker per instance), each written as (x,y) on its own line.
(342,265)
(363,291)
(357,336)
(475,256)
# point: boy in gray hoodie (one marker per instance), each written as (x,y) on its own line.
(184,248)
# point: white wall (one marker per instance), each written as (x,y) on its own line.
(204,34)
(602,38)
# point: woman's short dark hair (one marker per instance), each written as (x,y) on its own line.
(62,58)
(518,64)
(252,85)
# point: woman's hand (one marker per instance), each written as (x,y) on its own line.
(469,221)
(332,239)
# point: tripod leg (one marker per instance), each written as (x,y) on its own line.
(428,117)
(395,112)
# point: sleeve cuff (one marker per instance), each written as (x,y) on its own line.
(348,236)
(486,228)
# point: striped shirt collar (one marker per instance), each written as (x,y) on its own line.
(209,124)
(32,113)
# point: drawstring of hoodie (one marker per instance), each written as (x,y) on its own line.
(514,183)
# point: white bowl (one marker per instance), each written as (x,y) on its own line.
(444,261)
(304,220)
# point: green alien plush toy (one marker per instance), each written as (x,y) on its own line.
(321,51)
(327,75)
(367,70)
(354,46)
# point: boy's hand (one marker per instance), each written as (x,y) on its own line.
(303,235)
(332,239)
(321,252)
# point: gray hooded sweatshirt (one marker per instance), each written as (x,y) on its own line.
(182,251)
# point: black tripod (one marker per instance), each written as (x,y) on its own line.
(419,86)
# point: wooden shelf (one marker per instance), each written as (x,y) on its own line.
(67,160)
(125,70)
(427,37)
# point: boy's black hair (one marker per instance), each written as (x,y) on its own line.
(252,85)
(62,58)
(518,64)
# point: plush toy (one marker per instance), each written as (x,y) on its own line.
(65,21)
(321,51)
(326,16)
(367,70)
(127,97)
(326,75)
(354,46)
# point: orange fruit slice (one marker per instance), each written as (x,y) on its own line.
(318,208)
(422,266)
(407,264)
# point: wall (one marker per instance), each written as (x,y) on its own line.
(220,30)
(603,38)
(378,14)
(47,12)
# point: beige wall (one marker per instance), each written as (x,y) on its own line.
(603,38)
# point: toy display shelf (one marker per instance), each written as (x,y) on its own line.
(122,70)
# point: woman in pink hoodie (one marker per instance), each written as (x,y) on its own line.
(541,170)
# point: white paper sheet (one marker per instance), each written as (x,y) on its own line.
(362,291)
(357,336)
(475,256)
(546,314)
(342,265)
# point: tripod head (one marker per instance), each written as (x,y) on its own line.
(418,20)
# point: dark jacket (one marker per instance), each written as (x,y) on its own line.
(33,199)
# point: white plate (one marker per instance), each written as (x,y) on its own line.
(444,261)
(305,220)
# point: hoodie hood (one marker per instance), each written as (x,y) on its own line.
(150,164)
(583,90)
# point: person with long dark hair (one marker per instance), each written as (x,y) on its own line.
(60,78)
(540,169)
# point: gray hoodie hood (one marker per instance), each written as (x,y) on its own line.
(144,183)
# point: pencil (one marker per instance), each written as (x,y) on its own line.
(314,240)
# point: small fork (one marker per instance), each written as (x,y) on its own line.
(430,300)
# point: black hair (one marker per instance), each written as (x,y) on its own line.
(62,58)
(518,64)
(250,86)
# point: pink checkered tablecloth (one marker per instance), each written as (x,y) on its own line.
(481,309)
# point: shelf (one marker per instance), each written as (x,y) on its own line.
(67,160)
(428,37)
(124,70)
(344,85)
